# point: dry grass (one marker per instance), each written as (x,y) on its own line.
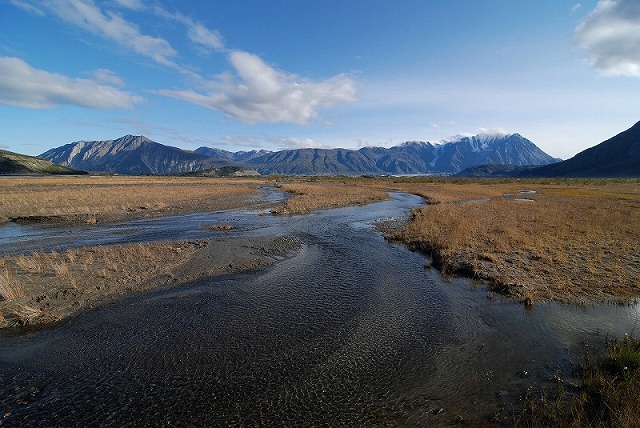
(60,196)
(576,242)
(9,290)
(80,278)
(317,195)
(579,241)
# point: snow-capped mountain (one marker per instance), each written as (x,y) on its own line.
(414,157)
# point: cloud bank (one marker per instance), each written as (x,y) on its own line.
(24,86)
(258,92)
(611,33)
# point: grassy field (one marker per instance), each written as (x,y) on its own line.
(115,197)
(577,240)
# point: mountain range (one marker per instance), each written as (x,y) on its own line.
(139,155)
(509,155)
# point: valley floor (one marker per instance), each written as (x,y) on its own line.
(536,240)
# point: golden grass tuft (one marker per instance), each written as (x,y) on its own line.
(216,227)
(608,394)
(24,315)
(9,290)
(72,277)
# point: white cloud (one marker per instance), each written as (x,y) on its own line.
(261,93)
(492,131)
(24,86)
(87,15)
(130,4)
(197,32)
(576,7)
(611,33)
(29,8)
(202,36)
(108,77)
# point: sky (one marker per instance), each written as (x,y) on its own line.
(280,74)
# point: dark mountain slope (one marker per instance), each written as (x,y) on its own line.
(17,164)
(449,157)
(618,156)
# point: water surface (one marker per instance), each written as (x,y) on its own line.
(351,331)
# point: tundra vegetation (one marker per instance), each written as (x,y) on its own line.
(323,194)
(40,288)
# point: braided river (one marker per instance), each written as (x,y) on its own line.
(348,331)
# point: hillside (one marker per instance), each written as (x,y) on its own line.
(616,157)
(17,164)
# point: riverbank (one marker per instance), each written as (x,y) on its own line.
(43,288)
(108,199)
(571,241)
(563,240)
(530,240)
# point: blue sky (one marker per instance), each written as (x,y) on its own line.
(275,74)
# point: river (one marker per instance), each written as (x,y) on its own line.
(349,331)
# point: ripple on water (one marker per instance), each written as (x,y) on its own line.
(350,331)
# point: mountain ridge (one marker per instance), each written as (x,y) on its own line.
(129,154)
(17,164)
(139,155)
(411,157)
(616,157)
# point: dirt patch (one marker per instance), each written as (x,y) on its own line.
(56,219)
(42,288)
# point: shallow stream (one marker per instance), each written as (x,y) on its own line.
(351,331)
